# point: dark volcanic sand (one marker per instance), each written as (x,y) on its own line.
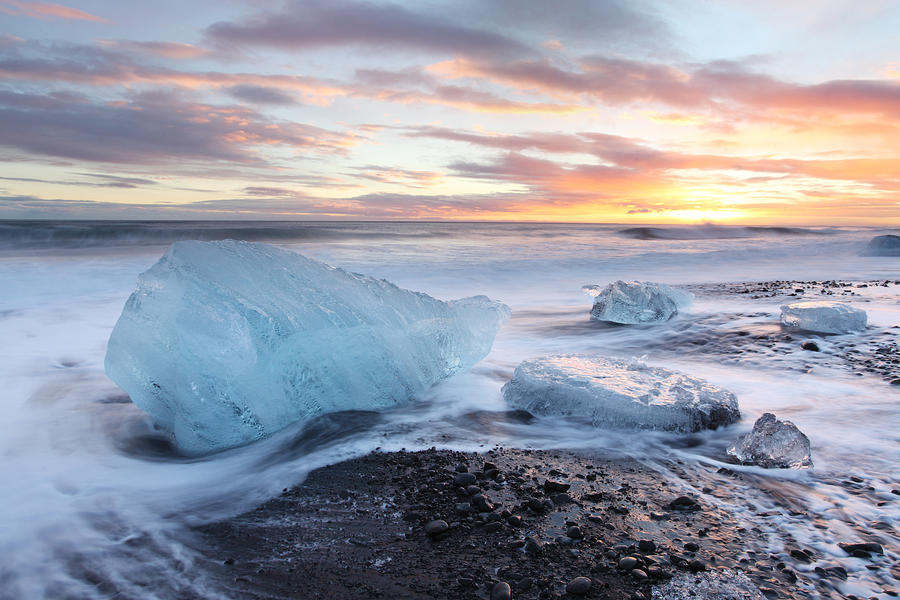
(357,530)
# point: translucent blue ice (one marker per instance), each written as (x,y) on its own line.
(223,343)
(636,302)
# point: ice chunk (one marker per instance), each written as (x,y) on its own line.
(226,342)
(824,317)
(634,302)
(708,585)
(619,393)
(773,444)
(883,245)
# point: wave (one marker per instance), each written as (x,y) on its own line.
(713,232)
(98,234)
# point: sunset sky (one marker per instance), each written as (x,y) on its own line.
(620,111)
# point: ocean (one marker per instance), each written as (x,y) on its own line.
(96,505)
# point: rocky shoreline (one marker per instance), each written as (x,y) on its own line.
(510,524)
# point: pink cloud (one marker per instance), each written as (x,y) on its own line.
(46,10)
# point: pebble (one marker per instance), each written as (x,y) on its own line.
(810,345)
(579,586)
(501,591)
(647,546)
(684,503)
(532,546)
(436,527)
(628,563)
(464,479)
(515,520)
(575,532)
(553,487)
(482,503)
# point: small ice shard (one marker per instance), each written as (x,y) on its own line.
(619,393)
(773,444)
(223,343)
(883,245)
(635,302)
(823,317)
(708,585)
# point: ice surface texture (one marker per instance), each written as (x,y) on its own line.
(883,245)
(709,585)
(824,317)
(618,393)
(773,444)
(635,302)
(226,342)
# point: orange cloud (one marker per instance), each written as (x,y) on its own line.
(45,10)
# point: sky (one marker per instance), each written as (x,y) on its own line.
(617,111)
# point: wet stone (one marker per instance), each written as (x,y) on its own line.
(579,586)
(501,591)
(464,479)
(628,563)
(436,527)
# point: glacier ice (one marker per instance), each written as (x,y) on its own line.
(619,393)
(708,585)
(823,317)
(773,444)
(223,343)
(883,245)
(635,302)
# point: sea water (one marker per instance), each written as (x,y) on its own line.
(95,503)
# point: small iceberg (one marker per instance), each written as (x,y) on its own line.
(824,317)
(883,245)
(636,302)
(773,444)
(619,393)
(224,343)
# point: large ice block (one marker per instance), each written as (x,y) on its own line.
(824,317)
(619,393)
(223,343)
(636,302)
(773,444)
(883,245)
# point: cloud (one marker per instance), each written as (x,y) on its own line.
(151,128)
(330,23)
(171,50)
(257,94)
(46,10)
(106,181)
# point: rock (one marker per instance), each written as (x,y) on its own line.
(810,345)
(868,547)
(515,520)
(579,586)
(464,479)
(686,503)
(553,487)
(561,498)
(883,245)
(575,532)
(533,546)
(482,503)
(773,444)
(695,566)
(635,302)
(618,393)
(824,317)
(436,527)
(628,563)
(493,527)
(647,546)
(501,591)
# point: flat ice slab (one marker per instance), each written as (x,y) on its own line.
(619,393)
(883,245)
(223,343)
(824,317)
(773,444)
(635,302)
